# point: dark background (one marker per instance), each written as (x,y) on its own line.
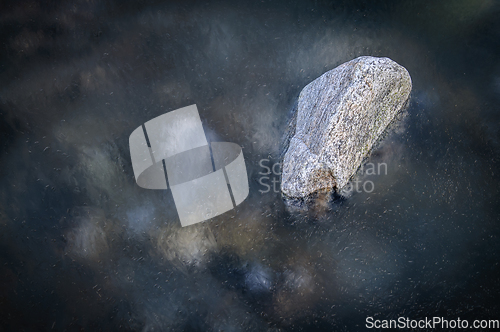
(83,247)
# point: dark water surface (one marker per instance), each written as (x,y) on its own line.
(83,247)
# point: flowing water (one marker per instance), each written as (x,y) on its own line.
(83,247)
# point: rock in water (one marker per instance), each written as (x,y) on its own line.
(339,117)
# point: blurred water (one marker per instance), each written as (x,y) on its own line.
(82,246)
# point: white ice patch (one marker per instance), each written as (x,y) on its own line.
(186,246)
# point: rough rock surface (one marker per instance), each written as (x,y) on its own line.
(339,117)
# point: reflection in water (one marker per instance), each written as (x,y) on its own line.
(84,247)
